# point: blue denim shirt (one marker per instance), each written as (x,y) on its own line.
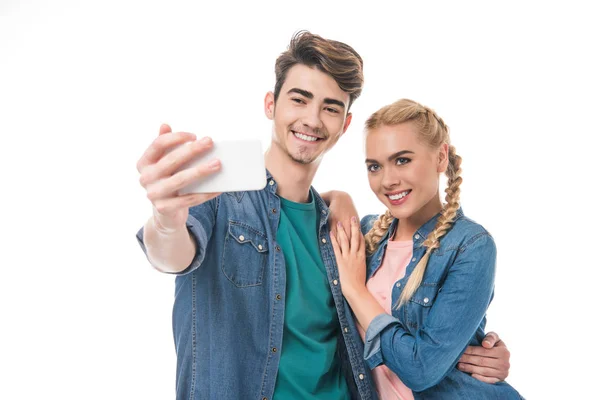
(229,303)
(422,340)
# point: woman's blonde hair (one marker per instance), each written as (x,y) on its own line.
(433,131)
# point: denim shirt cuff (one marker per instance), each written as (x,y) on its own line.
(198,235)
(372,355)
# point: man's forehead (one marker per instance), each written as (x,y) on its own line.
(311,80)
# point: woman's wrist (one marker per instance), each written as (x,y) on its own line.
(364,305)
(354,293)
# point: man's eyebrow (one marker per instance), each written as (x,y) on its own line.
(302,92)
(309,95)
(390,158)
(336,102)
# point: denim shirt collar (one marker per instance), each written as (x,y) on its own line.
(423,231)
(319,202)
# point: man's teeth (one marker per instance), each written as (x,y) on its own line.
(398,196)
(305,137)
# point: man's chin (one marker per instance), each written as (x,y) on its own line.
(304,160)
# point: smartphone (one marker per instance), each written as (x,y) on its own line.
(242,168)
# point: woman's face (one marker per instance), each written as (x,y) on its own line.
(404,172)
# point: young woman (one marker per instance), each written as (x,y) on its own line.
(429,270)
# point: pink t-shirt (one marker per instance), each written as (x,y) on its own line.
(393,268)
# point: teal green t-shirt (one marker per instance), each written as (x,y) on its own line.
(308,367)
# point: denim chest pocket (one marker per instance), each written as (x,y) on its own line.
(245,255)
(417,309)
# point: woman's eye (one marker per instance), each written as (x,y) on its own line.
(373,168)
(402,161)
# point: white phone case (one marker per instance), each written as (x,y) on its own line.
(242,168)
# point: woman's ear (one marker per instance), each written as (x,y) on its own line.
(443,158)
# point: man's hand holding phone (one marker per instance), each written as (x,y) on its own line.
(160,175)
(178,172)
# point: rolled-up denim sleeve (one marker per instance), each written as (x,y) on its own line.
(200,224)
(373,354)
(423,360)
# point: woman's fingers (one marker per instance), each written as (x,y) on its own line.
(356,235)
(342,239)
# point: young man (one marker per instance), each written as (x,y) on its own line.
(258,310)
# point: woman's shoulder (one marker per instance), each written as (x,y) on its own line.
(366,222)
(465,231)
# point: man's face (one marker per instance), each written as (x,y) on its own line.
(310,114)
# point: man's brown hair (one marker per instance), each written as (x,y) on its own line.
(335,58)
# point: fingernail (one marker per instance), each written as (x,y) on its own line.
(214,164)
(353,219)
(205,140)
(339,224)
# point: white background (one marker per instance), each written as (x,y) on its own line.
(84,89)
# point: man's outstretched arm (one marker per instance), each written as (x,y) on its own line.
(166,239)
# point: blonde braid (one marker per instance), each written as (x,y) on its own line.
(380,227)
(443,225)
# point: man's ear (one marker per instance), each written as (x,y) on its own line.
(443,158)
(270,105)
(347,122)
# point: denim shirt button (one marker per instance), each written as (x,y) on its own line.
(278,297)
(398,284)
(241,238)
(324,240)
(335,282)
(414,259)
(426,300)
(417,236)
(274,349)
(272,182)
(274,211)
(361,376)
(345,330)
(260,247)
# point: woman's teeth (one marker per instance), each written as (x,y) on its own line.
(398,196)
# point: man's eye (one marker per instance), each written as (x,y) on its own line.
(332,110)
(296,100)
